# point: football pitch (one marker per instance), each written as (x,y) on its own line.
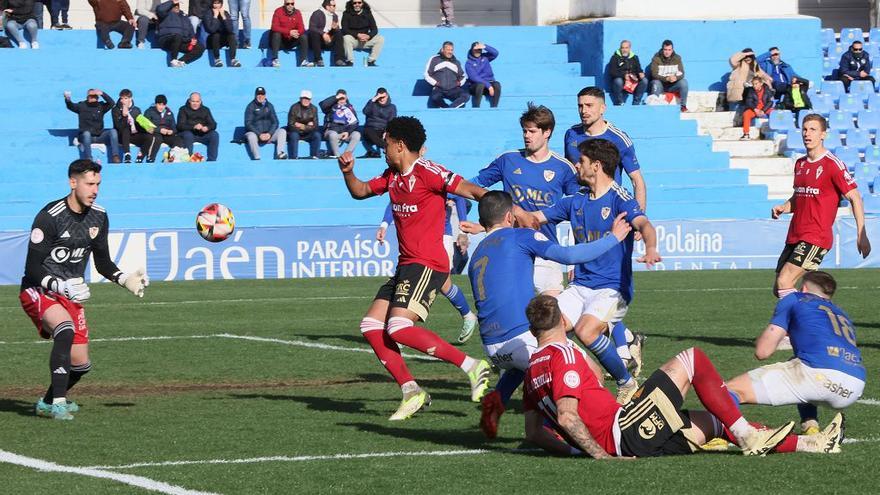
(267,387)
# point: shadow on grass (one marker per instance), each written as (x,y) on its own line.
(471,439)
(20,407)
(357,339)
(719,341)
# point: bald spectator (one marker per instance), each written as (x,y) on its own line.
(288,32)
(627,75)
(116,16)
(197,125)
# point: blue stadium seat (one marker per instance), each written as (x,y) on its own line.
(848,35)
(833,88)
(872,155)
(869,120)
(850,156)
(823,104)
(840,120)
(858,138)
(873,36)
(862,88)
(828,38)
(782,121)
(852,103)
(874,101)
(828,66)
(873,49)
(864,175)
(872,201)
(875,73)
(795,142)
(836,50)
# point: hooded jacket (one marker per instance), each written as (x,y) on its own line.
(479,69)
(620,66)
(91,117)
(444,73)
(851,63)
(378,115)
(355,23)
(171,24)
(662,66)
(307,116)
(260,118)
(765,101)
(120,121)
(742,74)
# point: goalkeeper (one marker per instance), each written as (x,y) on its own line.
(64,234)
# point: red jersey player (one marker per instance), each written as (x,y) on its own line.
(561,388)
(820,178)
(418,189)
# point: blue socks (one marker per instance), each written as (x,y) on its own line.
(618,334)
(605,352)
(457,299)
(734,398)
(508,383)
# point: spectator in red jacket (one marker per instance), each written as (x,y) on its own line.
(288,31)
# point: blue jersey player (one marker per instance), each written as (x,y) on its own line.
(537,178)
(501,269)
(827,368)
(602,289)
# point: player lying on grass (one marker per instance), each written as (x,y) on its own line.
(827,368)
(561,389)
(501,273)
(418,189)
(64,234)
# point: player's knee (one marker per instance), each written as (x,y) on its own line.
(370,324)
(63,333)
(397,323)
(81,369)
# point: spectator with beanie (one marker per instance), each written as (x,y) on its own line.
(302,124)
(261,126)
(163,118)
(340,123)
(176,34)
(745,68)
(445,75)
(667,74)
(116,16)
(481,79)
(20,14)
(197,125)
(855,65)
(91,123)
(325,33)
(627,75)
(781,73)
(125,120)
(758,103)
(378,111)
(359,31)
(287,32)
(218,24)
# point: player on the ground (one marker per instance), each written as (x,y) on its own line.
(536,178)
(418,189)
(456,208)
(501,273)
(602,289)
(561,388)
(65,232)
(591,108)
(827,368)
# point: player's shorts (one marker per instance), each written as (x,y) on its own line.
(449,245)
(803,254)
(650,424)
(513,353)
(413,287)
(36,300)
(548,275)
(793,382)
(605,304)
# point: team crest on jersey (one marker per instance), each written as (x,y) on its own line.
(647,430)
(93,232)
(605,212)
(412,182)
(818,171)
(549,175)
(571,379)
(541,237)
(517,171)
(579,212)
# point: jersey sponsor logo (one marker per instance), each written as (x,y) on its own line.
(37,236)
(549,175)
(571,379)
(539,360)
(540,237)
(404,208)
(807,190)
(605,212)
(517,171)
(499,359)
(93,232)
(535,196)
(540,380)
(65,235)
(833,387)
(63,254)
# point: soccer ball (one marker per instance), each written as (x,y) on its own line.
(215,222)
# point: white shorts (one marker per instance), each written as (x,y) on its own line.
(513,353)
(793,382)
(449,244)
(605,304)
(548,275)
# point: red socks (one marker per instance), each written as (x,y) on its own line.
(402,330)
(386,349)
(710,388)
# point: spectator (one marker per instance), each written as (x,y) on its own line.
(745,68)
(325,34)
(241,8)
(378,111)
(176,34)
(758,103)
(261,126)
(129,130)
(91,123)
(855,65)
(447,14)
(781,73)
(218,24)
(197,125)
(145,13)
(163,118)
(288,31)
(445,75)
(302,124)
(113,15)
(627,75)
(481,79)
(58,10)
(340,123)
(197,10)
(667,73)
(20,14)
(360,32)
(796,98)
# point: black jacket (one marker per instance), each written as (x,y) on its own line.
(358,23)
(164,120)
(751,98)
(620,66)
(187,118)
(303,115)
(378,115)
(91,117)
(121,122)
(786,102)
(22,10)
(200,8)
(214,25)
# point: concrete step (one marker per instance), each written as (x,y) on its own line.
(729,133)
(778,186)
(702,101)
(746,148)
(710,119)
(770,166)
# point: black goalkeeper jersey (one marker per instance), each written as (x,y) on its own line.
(61,241)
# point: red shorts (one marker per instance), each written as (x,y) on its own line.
(35,301)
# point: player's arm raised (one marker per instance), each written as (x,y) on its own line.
(356,187)
(768,341)
(858,211)
(570,421)
(649,235)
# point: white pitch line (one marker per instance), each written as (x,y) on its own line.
(315,345)
(128,479)
(869,402)
(861,440)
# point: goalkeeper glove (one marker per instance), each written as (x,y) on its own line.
(135,282)
(74,289)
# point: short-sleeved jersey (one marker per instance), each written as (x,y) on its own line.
(822,335)
(533,185)
(592,219)
(61,242)
(560,370)
(818,187)
(460,207)
(576,135)
(418,201)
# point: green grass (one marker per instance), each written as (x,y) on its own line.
(197,399)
